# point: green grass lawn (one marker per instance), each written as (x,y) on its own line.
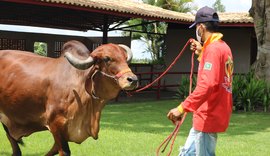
(137,129)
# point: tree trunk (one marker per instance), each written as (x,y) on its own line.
(260,11)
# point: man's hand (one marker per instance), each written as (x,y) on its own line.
(196,46)
(174,115)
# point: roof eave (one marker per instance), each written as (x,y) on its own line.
(125,14)
(236,24)
(221,24)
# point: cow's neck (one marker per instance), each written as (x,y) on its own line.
(97,106)
(103,87)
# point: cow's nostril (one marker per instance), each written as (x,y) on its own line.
(130,79)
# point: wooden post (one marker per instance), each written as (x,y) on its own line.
(105,30)
(158,89)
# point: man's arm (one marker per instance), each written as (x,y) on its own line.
(207,81)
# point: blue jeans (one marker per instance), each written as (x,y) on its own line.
(199,144)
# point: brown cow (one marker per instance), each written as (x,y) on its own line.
(63,95)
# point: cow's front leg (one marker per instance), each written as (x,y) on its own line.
(14,144)
(53,151)
(63,147)
(58,130)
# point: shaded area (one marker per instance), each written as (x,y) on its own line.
(54,17)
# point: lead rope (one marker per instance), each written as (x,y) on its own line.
(179,123)
(165,72)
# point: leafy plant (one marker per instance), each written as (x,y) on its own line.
(250,93)
(266,100)
(183,90)
(238,84)
(40,48)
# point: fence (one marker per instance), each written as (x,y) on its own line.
(159,85)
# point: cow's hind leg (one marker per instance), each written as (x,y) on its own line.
(14,143)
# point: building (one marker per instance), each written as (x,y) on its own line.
(109,15)
(238,31)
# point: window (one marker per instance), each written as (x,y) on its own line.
(15,44)
(40,48)
(58,48)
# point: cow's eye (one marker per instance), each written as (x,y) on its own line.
(107,59)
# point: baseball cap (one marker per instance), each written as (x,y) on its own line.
(205,14)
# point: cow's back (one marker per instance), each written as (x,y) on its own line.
(22,86)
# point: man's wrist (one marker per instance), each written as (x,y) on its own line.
(180,109)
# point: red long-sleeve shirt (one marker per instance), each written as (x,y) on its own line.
(211,101)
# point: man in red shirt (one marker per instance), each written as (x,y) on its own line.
(211,101)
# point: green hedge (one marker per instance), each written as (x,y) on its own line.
(249,93)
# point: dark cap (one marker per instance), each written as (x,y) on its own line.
(205,14)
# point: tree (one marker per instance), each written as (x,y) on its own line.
(260,11)
(218,6)
(40,48)
(155,42)
(174,5)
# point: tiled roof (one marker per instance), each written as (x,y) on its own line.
(238,17)
(129,8)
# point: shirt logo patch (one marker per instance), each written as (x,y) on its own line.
(228,77)
(207,66)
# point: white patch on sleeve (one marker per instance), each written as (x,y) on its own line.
(207,66)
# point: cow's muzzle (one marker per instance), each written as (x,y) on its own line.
(125,79)
(133,82)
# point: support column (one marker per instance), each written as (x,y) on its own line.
(105,30)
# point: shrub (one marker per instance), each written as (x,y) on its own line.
(266,99)
(238,84)
(250,93)
(183,89)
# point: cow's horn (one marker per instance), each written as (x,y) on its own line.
(129,52)
(78,63)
